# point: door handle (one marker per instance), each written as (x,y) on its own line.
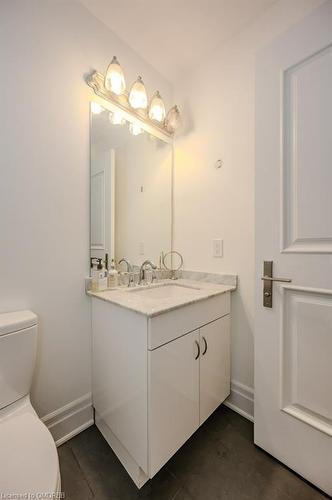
(282,280)
(205,346)
(268,280)
(198,349)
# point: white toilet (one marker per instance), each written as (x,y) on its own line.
(29,462)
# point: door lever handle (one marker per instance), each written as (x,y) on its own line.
(282,280)
(268,280)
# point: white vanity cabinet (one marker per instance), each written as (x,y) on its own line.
(157,379)
(173,397)
(214,366)
(189,378)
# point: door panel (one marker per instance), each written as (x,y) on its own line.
(307,153)
(306,356)
(293,340)
(173,397)
(214,365)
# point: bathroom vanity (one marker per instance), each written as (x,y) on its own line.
(161,366)
(161,352)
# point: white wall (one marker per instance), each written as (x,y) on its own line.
(218,102)
(143,225)
(45,48)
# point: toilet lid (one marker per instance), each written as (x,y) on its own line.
(15,321)
(28,459)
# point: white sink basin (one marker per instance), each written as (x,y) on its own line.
(165,291)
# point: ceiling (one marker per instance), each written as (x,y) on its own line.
(173,35)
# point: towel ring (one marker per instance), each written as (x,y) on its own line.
(173,270)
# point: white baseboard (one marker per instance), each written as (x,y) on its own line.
(77,416)
(241,400)
(70,420)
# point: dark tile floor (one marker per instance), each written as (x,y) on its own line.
(219,462)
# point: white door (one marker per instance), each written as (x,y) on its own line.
(293,339)
(102,202)
(214,366)
(173,397)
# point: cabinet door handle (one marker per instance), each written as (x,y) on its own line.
(198,349)
(205,346)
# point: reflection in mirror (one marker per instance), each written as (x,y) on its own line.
(131,191)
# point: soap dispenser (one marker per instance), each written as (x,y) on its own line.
(94,274)
(98,275)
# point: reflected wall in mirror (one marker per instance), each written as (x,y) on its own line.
(131,191)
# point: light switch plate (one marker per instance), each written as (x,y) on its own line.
(217,248)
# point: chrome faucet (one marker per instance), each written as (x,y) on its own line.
(129,266)
(129,270)
(142,269)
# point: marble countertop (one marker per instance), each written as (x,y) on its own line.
(153,303)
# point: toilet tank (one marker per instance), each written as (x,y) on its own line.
(18,347)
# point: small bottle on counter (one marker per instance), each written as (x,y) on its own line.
(99,280)
(113,276)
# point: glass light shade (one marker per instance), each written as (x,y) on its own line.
(173,119)
(114,78)
(157,108)
(96,108)
(138,98)
(116,118)
(135,129)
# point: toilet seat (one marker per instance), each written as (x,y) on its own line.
(28,460)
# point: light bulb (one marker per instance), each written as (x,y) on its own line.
(96,108)
(173,119)
(135,129)
(157,108)
(114,78)
(116,118)
(137,95)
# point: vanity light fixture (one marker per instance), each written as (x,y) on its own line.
(173,119)
(135,129)
(138,98)
(114,78)
(133,105)
(157,108)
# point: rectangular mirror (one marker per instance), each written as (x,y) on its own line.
(131,190)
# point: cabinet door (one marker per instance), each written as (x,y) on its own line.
(173,397)
(214,365)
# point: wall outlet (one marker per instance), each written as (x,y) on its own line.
(217,248)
